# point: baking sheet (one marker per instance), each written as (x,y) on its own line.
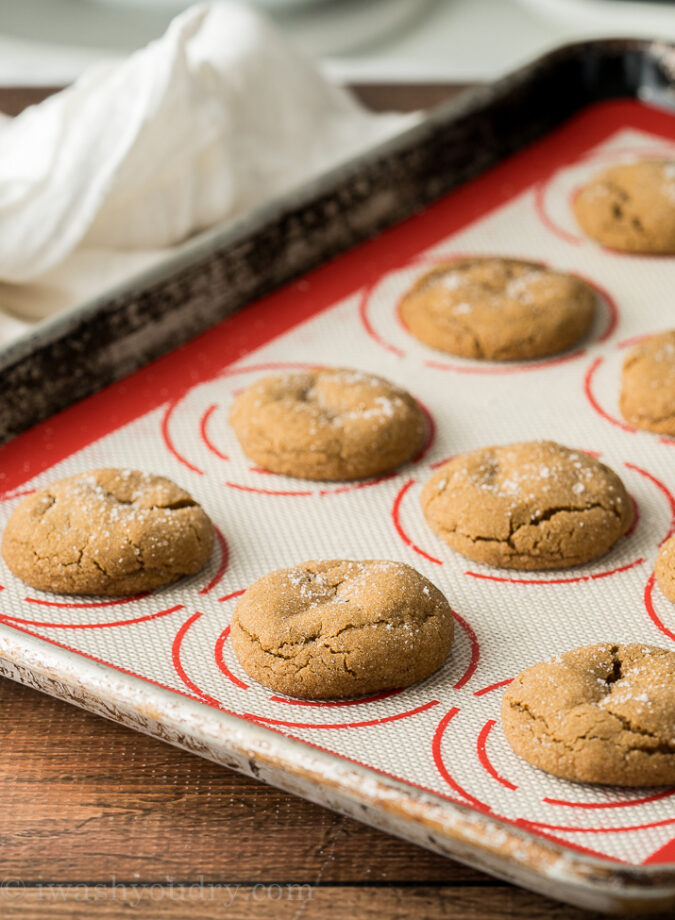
(443,735)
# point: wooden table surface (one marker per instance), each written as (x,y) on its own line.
(96,818)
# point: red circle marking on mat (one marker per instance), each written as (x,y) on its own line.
(224,559)
(510,369)
(322,492)
(437,464)
(491,687)
(203,431)
(395,516)
(442,769)
(651,610)
(576,578)
(663,488)
(541,190)
(166,437)
(8,497)
(485,763)
(338,490)
(5,617)
(475,651)
(484,759)
(220,660)
(540,208)
(85,606)
(595,405)
(367,325)
(337,725)
(588,392)
(525,822)
(354,486)
(633,340)
(431,432)
(329,704)
(258,491)
(557,581)
(229,597)
(636,517)
(228,372)
(479,367)
(627,804)
(178,667)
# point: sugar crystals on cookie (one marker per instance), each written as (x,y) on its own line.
(329,423)
(599,714)
(530,505)
(630,207)
(498,309)
(107,532)
(648,384)
(341,628)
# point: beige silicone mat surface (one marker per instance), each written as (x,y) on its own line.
(444,734)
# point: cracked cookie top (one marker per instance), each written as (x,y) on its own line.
(631,207)
(107,532)
(498,309)
(598,714)
(330,424)
(531,505)
(338,628)
(648,384)
(665,569)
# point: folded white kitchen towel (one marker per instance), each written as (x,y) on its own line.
(214,118)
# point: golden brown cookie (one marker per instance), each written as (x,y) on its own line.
(630,207)
(331,424)
(110,531)
(665,569)
(498,309)
(599,714)
(337,629)
(648,384)
(532,505)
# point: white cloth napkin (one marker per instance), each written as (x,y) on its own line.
(214,118)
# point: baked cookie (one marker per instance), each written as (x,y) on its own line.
(665,569)
(533,505)
(599,714)
(648,384)
(630,207)
(498,309)
(337,629)
(332,424)
(110,531)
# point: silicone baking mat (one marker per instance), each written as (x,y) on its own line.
(442,735)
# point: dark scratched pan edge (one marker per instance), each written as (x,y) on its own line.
(219,272)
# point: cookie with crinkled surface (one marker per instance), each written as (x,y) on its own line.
(330,424)
(630,207)
(664,569)
(599,714)
(339,628)
(498,309)
(530,505)
(107,532)
(648,384)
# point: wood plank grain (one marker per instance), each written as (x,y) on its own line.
(270,902)
(84,798)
